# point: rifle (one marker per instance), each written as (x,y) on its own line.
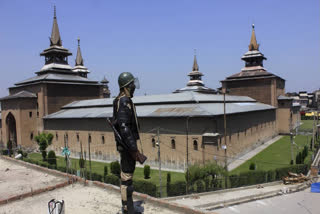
(136,155)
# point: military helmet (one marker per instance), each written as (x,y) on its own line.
(126,78)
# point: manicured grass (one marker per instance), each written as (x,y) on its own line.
(276,155)
(98,167)
(307,125)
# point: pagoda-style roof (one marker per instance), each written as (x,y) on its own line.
(195,83)
(54,77)
(20,94)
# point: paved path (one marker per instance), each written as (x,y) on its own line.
(303,202)
(214,199)
(252,153)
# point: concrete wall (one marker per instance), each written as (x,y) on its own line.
(241,137)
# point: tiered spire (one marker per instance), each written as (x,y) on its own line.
(195,83)
(253,58)
(79,59)
(55,38)
(56,56)
(195,75)
(79,67)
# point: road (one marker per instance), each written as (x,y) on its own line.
(294,203)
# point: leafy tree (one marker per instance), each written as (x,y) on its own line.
(44,140)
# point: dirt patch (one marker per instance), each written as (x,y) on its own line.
(78,199)
(16,179)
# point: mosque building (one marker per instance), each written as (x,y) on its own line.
(188,123)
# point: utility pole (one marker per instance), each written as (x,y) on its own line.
(187,133)
(159,158)
(313,130)
(65,156)
(89,142)
(291,137)
(225,129)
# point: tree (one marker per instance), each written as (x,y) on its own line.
(52,159)
(44,140)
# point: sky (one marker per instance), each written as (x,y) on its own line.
(155,39)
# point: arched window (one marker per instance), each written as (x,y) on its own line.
(195,145)
(78,137)
(31,136)
(173,144)
(89,138)
(153,142)
(56,136)
(102,138)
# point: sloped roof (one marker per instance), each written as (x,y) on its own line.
(187,104)
(20,94)
(281,97)
(57,77)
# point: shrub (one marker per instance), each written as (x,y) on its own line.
(43,164)
(52,159)
(299,158)
(5,152)
(200,185)
(52,166)
(115,168)
(177,188)
(9,147)
(146,187)
(168,182)
(112,179)
(252,166)
(271,175)
(234,181)
(168,178)
(44,140)
(146,171)
(96,176)
(62,168)
(291,162)
(105,172)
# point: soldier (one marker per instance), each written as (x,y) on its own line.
(126,124)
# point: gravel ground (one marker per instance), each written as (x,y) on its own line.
(78,199)
(16,179)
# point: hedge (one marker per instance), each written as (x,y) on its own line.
(146,187)
(177,188)
(112,179)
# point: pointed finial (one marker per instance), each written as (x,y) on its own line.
(79,41)
(253,46)
(195,66)
(54,12)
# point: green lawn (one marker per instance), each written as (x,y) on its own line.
(276,155)
(307,125)
(98,167)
